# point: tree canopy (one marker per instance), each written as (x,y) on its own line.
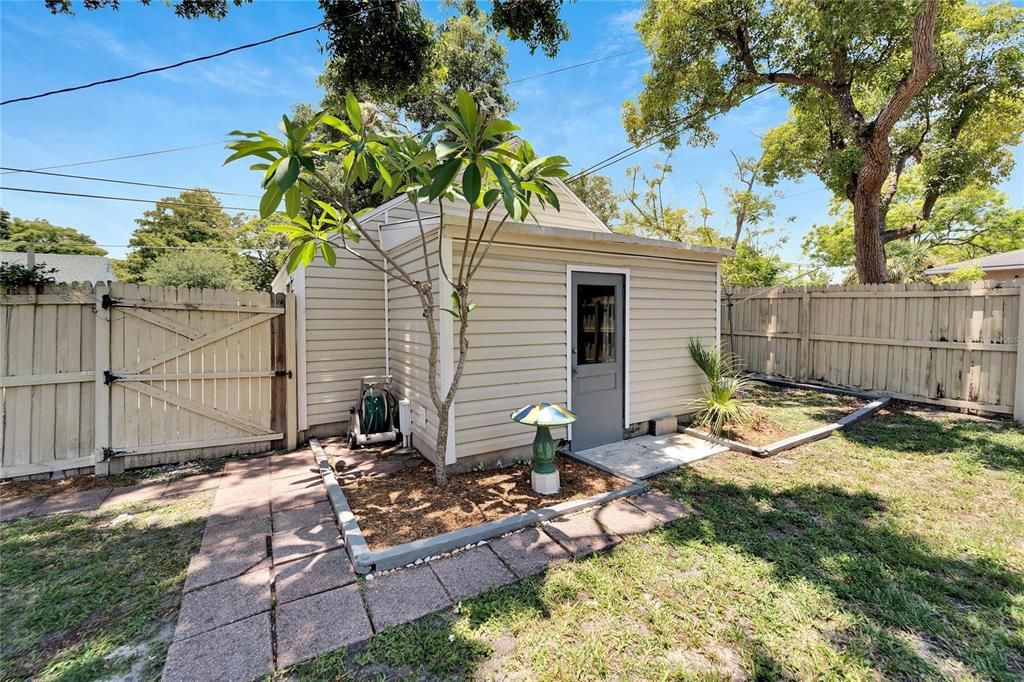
(598,194)
(910,83)
(192,268)
(17,234)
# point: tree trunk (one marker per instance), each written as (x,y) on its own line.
(868,223)
(441,446)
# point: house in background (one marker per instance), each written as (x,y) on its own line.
(567,312)
(1007,265)
(70,267)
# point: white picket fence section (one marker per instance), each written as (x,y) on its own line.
(123,375)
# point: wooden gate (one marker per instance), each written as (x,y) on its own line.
(176,374)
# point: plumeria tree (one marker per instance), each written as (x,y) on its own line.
(470,156)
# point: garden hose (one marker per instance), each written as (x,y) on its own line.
(374,412)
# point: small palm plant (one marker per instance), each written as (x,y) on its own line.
(721,405)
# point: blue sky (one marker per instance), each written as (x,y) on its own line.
(574,113)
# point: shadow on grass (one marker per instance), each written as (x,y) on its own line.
(79,587)
(918,613)
(993,443)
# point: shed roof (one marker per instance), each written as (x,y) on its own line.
(70,267)
(1008,260)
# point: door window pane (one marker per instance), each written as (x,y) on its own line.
(595,324)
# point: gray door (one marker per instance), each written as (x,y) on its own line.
(597,358)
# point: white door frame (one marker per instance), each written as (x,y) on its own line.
(569,269)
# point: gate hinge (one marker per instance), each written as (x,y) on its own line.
(109,377)
(283,373)
(107,301)
(109,452)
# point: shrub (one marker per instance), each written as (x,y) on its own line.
(14,275)
(721,405)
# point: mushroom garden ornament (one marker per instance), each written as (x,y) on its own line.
(544,478)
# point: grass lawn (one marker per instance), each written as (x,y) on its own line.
(778,412)
(95,596)
(893,550)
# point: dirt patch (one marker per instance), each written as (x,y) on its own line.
(406,505)
(777,412)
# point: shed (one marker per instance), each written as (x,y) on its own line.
(567,311)
(70,267)
(1006,265)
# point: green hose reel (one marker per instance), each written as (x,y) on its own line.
(375,412)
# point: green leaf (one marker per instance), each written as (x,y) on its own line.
(445,148)
(471,183)
(328,209)
(355,114)
(442,177)
(490,197)
(292,201)
(328,253)
(467,108)
(270,201)
(498,127)
(287,173)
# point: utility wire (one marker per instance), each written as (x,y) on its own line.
(118,158)
(158,202)
(575,66)
(652,140)
(168,67)
(127,182)
(233,249)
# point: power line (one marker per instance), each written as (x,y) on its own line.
(234,249)
(652,140)
(125,182)
(575,66)
(158,202)
(119,158)
(168,67)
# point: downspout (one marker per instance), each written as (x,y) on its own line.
(387,307)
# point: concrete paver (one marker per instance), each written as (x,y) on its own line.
(622,518)
(313,574)
(259,507)
(224,602)
(664,508)
(404,596)
(321,623)
(471,572)
(580,534)
(239,652)
(297,491)
(529,551)
(295,544)
(85,500)
(19,508)
(193,484)
(303,517)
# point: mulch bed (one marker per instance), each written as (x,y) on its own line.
(777,412)
(407,505)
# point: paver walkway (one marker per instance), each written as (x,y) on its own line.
(648,456)
(272,584)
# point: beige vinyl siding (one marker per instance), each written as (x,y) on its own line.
(572,214)
(518,336)
(410,345)
(344,310)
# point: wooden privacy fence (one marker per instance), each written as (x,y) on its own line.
(956,345)
(124,375)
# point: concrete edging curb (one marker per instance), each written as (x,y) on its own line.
(799,439)
(366,561)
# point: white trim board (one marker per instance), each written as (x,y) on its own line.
(569,269)
(299,288)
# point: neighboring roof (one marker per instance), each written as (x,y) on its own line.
(1009,260)
(70,267)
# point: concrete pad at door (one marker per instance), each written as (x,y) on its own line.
(313,574)
(61,503)
(622,518)
(321,623)
(404,596)
(661,506)
(529,551)
(581,534)
(240,651)
(471,572)
(223,603)
(295,544)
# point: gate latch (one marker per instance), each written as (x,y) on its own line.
(283,373)
(109,377)
(109,452)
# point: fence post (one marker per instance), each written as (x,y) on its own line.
(805,336)
(101,432)
(1018,395)
(291,363)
